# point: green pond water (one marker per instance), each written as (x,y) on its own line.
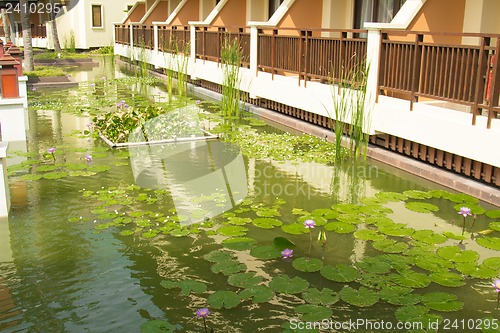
(138,239)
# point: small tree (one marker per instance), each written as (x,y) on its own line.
(26,26)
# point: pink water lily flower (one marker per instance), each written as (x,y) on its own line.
(202,313)
(496,285)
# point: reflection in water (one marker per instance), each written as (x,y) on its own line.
(204,178)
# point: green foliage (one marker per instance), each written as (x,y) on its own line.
(231,57)
(43,71)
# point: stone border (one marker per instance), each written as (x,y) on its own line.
(53,82)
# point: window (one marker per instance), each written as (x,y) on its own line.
(376,11)
(97,16)
(273,6)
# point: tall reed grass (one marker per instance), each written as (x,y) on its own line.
(231,57)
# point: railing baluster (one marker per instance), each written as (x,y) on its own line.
(494,87)
(479,91)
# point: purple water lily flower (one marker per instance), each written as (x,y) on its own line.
(92,84)
(125,105)
(51,150)
(496,285)
(198,102)
(202,313)
(33,89)
(309,224)
(287,253)
(465,211)
(88,158)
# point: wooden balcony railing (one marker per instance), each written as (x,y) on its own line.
(309,55)
(453,72)
(2,32)
(143,36)
(38,31)
(209,43)
(174,39)
(122,34)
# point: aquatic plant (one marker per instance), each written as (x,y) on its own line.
(203,313)
(231,56)
(88,158)
(464,211)
(349,96)
(496,285)
(287,253)
(51,152)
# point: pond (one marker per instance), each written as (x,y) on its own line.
(139,239)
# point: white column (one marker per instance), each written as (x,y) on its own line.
(155,39)
(372,61)
(192,52)
(254,42)
(4,181)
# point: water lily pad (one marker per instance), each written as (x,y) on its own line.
(294,229)
(411,279)
(396,230)
(346,208)
(324,297)
(492,263)
(375,281)
(476,271)
(187,286)
(239,243)
(265,252)
(421,207)
(267,212)
(495,226)
(433,263)
(456,254)
(389,246)
(239,220)
(416,194)
(228,267)
(489,242)
(374,265)
(126,233)
(397,261)
(448,279)
(266,223)
(428,236)
(340,227)
(286,285)
(463,198)
(397,295)
(299,211)
(313,313)
(159,326)
(391,196)
(244,280)
(454,236)
(258,294)
(98,168)
(232,230)
(56,175)
(75,167)
(223,299)
(494,214)
(282,243)
(307,264)
(340,273)
(81,173)
(416,314)
(45,168)
(369,235)
(150,233)
(218,256)
(326,213)
(363,297)
(441,301)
